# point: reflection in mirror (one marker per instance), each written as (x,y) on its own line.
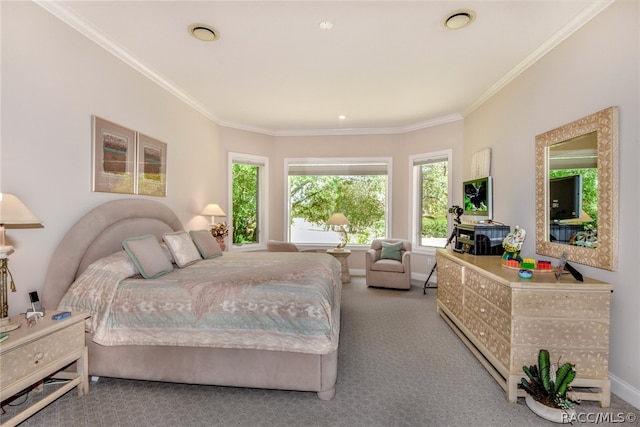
(573,191)
(576,190)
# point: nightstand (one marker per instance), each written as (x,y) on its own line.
(33,353)
(342,255)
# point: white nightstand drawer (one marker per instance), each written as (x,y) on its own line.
(31,357)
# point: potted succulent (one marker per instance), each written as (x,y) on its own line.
(547,386)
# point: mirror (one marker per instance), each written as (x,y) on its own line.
(577,191)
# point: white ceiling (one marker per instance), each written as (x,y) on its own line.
(389,66)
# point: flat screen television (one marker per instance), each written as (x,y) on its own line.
(478,198)
(565,197)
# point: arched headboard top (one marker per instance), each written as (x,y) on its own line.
(100,233)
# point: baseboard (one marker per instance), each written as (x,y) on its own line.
(625,391)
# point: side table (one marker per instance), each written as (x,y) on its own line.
(342,255)
(33,353)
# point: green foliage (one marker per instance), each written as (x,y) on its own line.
(361,198)
(434,199)
(544,386)
(245,203)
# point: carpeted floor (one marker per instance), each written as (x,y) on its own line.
(399,365)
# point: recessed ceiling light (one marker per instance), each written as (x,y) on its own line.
(342,117)
(326,25)
(203,32)
(459,19)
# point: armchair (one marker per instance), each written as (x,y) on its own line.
(279,246)
(388,264)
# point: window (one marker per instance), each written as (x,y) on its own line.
(248,199)
(431,184)
(318,188)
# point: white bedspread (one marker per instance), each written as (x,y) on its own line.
(268,301)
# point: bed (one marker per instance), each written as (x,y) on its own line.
(301,357)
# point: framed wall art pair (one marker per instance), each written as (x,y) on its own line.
(126,161)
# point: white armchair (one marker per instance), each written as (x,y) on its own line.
(388,264)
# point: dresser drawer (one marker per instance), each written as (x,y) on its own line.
(498,294)
(558,304)
(450,300)
(589,363)
(34,356)
(450,274)
(498,320)
(485,335)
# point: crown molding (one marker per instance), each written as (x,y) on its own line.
(63,13)
(588,13)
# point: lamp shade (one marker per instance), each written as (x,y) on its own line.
(338,219)
(213,209)
(13,211)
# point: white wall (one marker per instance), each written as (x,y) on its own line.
(53,80)
(595,68)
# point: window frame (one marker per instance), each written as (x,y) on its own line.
(415,191)
(263,199)
(388,161)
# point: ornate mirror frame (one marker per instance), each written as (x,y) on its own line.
(605,255)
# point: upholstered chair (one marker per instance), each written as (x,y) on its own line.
(278,246)
(388,264)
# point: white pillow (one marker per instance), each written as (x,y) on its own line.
(182,248)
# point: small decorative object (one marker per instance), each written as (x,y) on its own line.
(587,238)
(512,244)
(547,386)
(528,263)
(220,230)
(340,220)
(525,274)
(544,265)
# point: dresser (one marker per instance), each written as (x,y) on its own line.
(505,320)
(33,353)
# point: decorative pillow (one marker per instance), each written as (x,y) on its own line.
(206,243)
(148,256)
(182,248)
(391,251)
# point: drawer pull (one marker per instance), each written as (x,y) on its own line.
(38,356)
(482,310)
(481,334)
(483,286)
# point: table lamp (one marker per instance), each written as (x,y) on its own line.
(340,220)
(213,210)
(12,212)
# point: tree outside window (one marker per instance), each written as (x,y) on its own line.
(318,189)
(248,198)
(431,192)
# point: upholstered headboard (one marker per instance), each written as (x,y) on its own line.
(100,233)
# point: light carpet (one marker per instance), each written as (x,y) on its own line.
(399,365)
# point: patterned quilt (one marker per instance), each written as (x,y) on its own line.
(260,300)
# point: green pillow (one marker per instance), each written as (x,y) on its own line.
(391,251)
(148,256)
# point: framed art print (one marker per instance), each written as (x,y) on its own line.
(152,166)
(114,153)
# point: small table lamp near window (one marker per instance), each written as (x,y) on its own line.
(213,210)
(12,212)
(340,220)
